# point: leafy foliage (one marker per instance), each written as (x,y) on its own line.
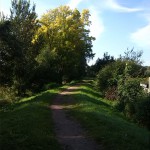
(131,55)
(67,42)
(120,81)
(143,111)
(129,92)
(104,78)
(34,52)
(24,25)
(17,55)
(124,67)
(100,64)
(109,76)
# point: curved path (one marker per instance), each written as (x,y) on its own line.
(68,132)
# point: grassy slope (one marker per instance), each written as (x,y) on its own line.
(106,125)
(27,125)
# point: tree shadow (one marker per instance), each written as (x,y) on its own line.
(85,97)
(45,97)
(88,95)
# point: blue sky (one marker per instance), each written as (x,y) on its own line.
(116,24)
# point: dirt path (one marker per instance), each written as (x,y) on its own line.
(68,132)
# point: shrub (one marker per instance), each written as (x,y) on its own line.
(4,102)
(143,111)
(119,105)
(109,75)
(102,81)
(7,95)
(129,91)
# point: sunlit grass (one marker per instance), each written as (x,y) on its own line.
(107,126)
(27,125)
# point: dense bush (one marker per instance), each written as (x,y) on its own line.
(143,111)
(107,78)
(102,81)
(129,91)
(110,75)
(7,95)
(120,81)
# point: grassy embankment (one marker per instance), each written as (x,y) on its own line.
(27,125)
(107,126)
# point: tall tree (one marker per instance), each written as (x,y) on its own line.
(6,53)
(67,40)
(17,35)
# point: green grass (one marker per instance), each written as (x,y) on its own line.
(27,125)
(107,126)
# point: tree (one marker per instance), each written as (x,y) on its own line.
(131,55)
(101,63)
(67,41)
(132,59)
(9,45)
(7,51)
(24,25)
(17,48)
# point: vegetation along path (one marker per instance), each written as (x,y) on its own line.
(68,132)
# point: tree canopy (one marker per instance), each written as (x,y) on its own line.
(34,51)
(66,38)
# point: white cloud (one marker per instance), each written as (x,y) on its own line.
(142,36)
(97,26)
(117,7)
(74,3)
